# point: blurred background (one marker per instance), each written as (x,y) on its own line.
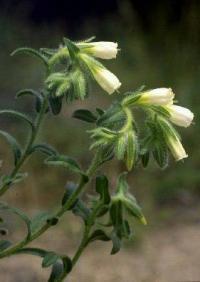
(160,43)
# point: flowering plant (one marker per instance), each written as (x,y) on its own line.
(115,134)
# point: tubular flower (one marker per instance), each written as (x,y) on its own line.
(158,96)
(102,49)
(106,79)
(179,115)
(176,148)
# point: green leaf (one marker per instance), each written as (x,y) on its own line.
(102,189)
(160,154)
(122,185)
(102,210)
(85,115)
(67,263)
(43,148)
(18,115)
(57,270)
(145,159)
(31,92)
(126,229)
(161,111)
(134,209)
(98,235)
(8,180)
(49,259)
(20,176)
(116,243)
(21,214)
(64,161)
(100,111)
(120,147)
(128,201)
(113,117)
(130,99)
(55,104)
(14,145)
(80,209)
(32,52)
(4,244)
(116,213)
(79,85)
(106,154)
(72,48)
(32,251)
(70,189)
(39,220)
(131,150)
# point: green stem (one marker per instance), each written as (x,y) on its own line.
(30,142)
(58,214)
(84,241)
(129,120)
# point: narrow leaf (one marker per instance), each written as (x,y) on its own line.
(32,251)
(85,115)
(43,148)
(57,270)
(64,161)
(67,263)
(98,235)
(49,259)
(39,220)
(21,214)
(55,104)
(102,189)
(32,52)
(31,92)
(14,145)
(116,243)
(18,115)
(72,48)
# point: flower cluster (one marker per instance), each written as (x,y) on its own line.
(178,115)
(160,137)
(81,63)
(82,55)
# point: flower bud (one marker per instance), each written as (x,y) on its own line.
(102,49)
(176,148)
(158,96)
(180,116)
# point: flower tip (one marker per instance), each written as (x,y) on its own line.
(182,158)
(143,220)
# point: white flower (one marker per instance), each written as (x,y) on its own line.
(179,115)
(106,79)
(158,96)
(102,49)
(176,148)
